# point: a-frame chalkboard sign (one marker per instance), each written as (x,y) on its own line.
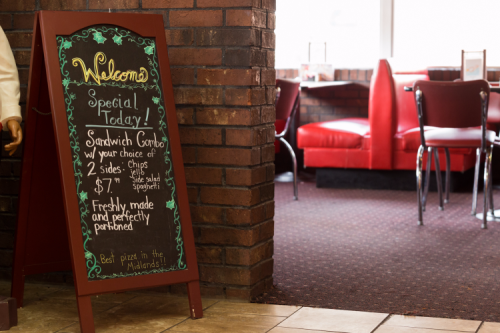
(103,189)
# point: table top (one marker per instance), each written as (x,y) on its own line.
(328,84)
(495,89)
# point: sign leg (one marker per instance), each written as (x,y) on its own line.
(194,296)
(85,314)
(17,288)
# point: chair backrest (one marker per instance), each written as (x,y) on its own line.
(288,95)
(452,104)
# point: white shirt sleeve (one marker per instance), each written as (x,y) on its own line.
(9,84)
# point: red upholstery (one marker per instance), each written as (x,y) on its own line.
(409,140)
(390,142)
(457,137)
(406,109)
(344,133)
(381,104)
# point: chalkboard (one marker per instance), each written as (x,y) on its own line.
(120,150)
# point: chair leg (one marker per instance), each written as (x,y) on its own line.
(419,184)
(476,181)
(448,175)
(438,178)
(427,178)
(491,205)
(487,165)
(294,159)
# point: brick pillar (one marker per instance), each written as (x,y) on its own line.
(222,58)
(224,81)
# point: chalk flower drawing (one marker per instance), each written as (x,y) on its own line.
(98,37)
(156,100)
(83,196)
(117,39)
(171,204)
(93,265)
(67,44)
(149,49)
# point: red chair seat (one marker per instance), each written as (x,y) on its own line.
(457,137)
(410,139)
(343,133)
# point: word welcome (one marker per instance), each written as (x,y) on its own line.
(100,59)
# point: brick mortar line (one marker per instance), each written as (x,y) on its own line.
(268,124)
(194,145)
(224,166)
(228,47)
(232,187)
(219,206)
(239,167)
(13,31)
(239,247)
(18,11)
(255,68)
(246,267)
(205,126)
(222,86)
(232,227)
(236,207)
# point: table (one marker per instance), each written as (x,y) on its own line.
(495,89)
(307,85)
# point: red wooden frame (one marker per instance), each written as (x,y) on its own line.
(32,226)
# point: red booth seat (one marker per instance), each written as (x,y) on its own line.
(387,140)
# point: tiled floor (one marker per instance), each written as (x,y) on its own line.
(51,308)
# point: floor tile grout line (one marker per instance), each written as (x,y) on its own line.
(188,317)
(284,319)
(479,327)
(65,327)
(434,329)
(208,307)
(182,321)
(119,304)
(389,315)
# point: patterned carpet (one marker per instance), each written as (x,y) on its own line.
(362,250)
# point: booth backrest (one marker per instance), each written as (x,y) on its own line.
(406,110)
(380,105)
(391,110)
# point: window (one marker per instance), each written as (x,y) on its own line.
(433,32)
(349,28)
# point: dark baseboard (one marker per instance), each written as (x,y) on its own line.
(403,180)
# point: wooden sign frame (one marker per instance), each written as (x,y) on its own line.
(45,139)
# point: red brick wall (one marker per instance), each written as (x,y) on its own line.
(222,58)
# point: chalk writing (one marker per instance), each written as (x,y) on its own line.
(121,154)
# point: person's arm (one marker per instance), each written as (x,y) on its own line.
(9,85)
